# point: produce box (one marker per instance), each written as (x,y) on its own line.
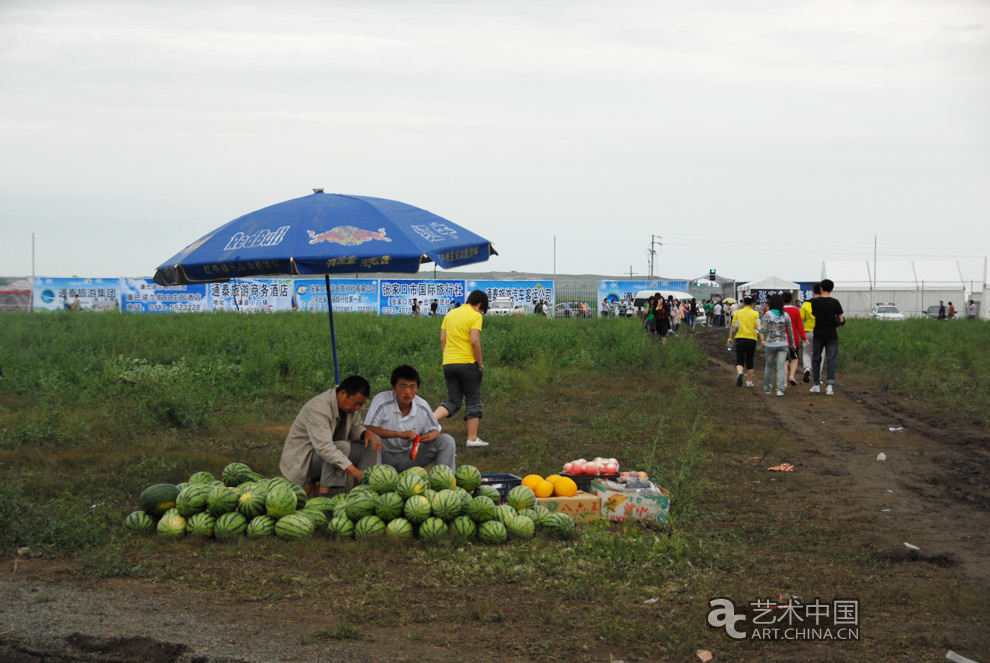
(503,483)
(582,507)
(583,481)
(620,504)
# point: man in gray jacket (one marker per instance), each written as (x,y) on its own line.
(328,441)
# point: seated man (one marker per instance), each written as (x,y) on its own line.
(324,444)
(399,415)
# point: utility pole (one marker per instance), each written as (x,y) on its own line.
(630,272)
(654,241)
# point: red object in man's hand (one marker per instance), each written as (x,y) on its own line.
(415,448)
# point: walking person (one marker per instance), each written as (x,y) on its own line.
(743,331)
(798,336)
(719,318)
(463,367)
(828,318)
(661,318)
(649,312)
(777,338)
(808,321)
(972,310)
(415,308)
(675,314)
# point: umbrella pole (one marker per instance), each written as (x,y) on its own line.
(333,332)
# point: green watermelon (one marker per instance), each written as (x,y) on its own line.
(383,479)
(229,526)
(559,525)
(504,513)
(192,499)
(172,525)
(301,499)
(491,492)
(157,499)
(368,526)
(341,527)
(340,510)
(251,504)
(319,518)
(429,494)
(222,500)
(468,477)
(324,504)
(463,527)
(410,484)
(260,527)
(360,504)
(541,514)
(294,526)
(464,495)
(275,481)
(201,524)
(492,532)
(417,509)
(520,527)
(446,505)
(139,521)
(529,513)
(362,488)
(442,478)
(235,474)
(418,471)
(281,501)
(432,529)
(521,497)
(481,509)
(202,477)
(400,528)
(389,506)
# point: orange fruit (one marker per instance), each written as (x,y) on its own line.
(565,487)
(553,478)
(531,481)
(543,489)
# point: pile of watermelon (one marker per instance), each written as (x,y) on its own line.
(411,504)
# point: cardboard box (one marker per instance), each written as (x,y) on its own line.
(622,505)
(582,508)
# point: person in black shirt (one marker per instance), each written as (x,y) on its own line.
(828,318)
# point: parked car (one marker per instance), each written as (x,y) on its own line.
(889,312)
(572,310)
(504,306)
(932,312)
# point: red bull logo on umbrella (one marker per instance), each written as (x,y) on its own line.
(347,236)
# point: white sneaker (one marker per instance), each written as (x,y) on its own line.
(828,390)
(780,392)
(749,384)
(477,443)
(816,389)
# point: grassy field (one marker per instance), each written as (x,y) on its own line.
(96,407)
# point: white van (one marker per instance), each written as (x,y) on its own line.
(639,301)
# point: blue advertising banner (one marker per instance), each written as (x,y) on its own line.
(806,290)
(145,296)
(349,296)
(58,294)
(616,291)
(252,295)
(522,292)
(396,297)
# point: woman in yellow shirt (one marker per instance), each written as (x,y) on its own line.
(743,330)
(463,367)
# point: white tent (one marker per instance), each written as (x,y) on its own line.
(912,286)
(769,283)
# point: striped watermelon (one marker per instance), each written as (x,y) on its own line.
(463,528)
(429,494)
(201,524)
(400,528)
(383,478)
(504,513)
(559,525)
(432,529)
(294,526)
(341,527)
(442,478)
(368,526)
(490,492)
(251,504)
(202,477)
(172,525)
(419,471)
(318,517)
(362,488)
(541,514)
(465,497)
(521,527)
(446,505)
(389,506)
(417,509)
(275,481)
(229,526)
(139,521)
(529,513)
(481,509)
(235,474)
(222,500)
(301,499)
(157,499)
(324,504)
(340,510)
(360,504)
(281,501)
(521,497)
(410,484)
(192,499)
(260,527)
(468,477)
(492,532)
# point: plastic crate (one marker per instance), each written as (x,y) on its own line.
(503,483)
(583,481)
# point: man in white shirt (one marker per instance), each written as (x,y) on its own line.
(399,416)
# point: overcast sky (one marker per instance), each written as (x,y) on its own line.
(757,137)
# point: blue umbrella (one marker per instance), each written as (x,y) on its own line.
(325,234)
